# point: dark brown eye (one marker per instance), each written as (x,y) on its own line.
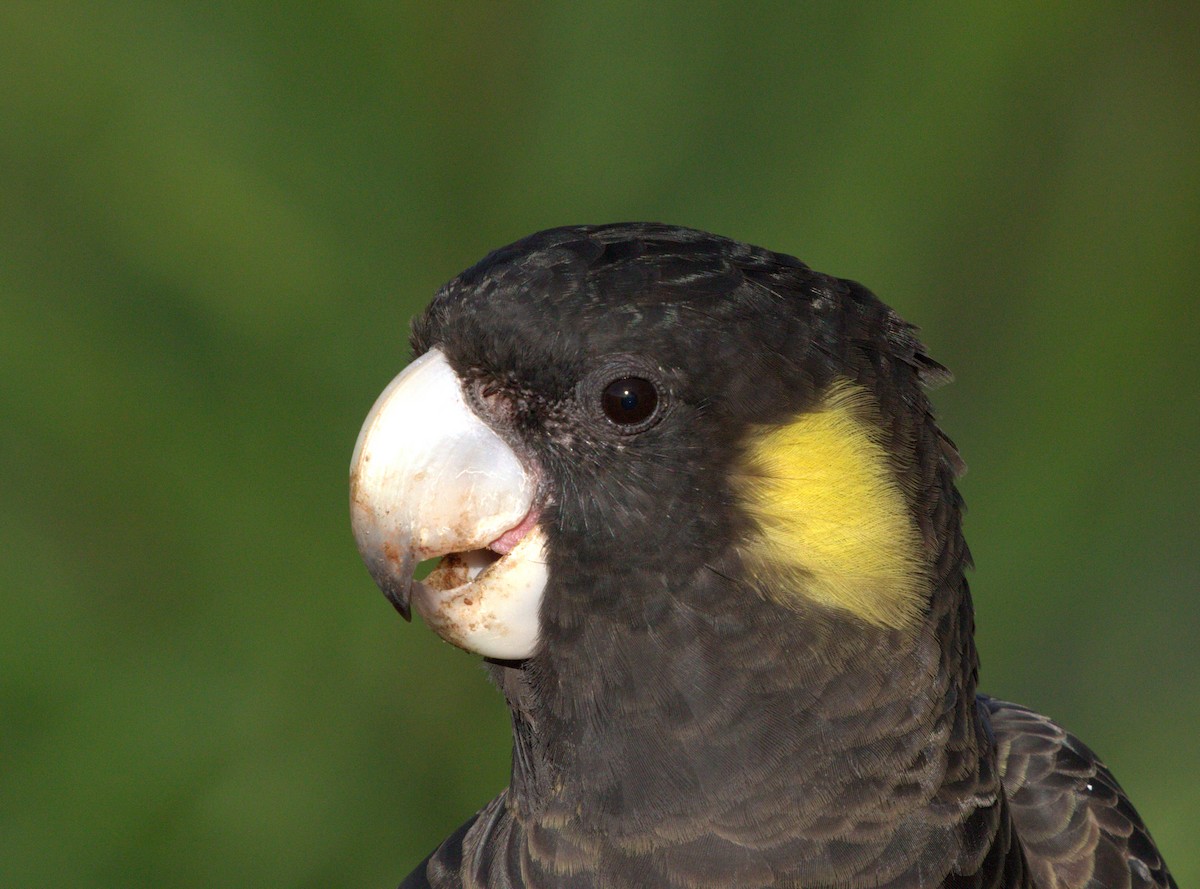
(629,400)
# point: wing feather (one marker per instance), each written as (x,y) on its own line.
(1077,826)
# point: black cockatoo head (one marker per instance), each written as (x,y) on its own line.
(599,417)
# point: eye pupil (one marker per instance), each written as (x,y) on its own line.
(629,400)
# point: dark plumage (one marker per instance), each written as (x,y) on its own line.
(689,719)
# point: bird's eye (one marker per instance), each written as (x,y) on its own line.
(629,400)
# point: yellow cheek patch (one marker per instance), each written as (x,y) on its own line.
(832,521)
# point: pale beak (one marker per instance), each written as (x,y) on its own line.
(429,478)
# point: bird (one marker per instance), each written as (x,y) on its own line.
(694,510)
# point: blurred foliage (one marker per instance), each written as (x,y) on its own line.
(216,219)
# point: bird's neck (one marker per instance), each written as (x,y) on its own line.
(708,726)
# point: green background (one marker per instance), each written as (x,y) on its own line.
(217,218)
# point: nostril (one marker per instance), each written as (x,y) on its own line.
(491,397)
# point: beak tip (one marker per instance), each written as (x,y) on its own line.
(399,592)
(392,572)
